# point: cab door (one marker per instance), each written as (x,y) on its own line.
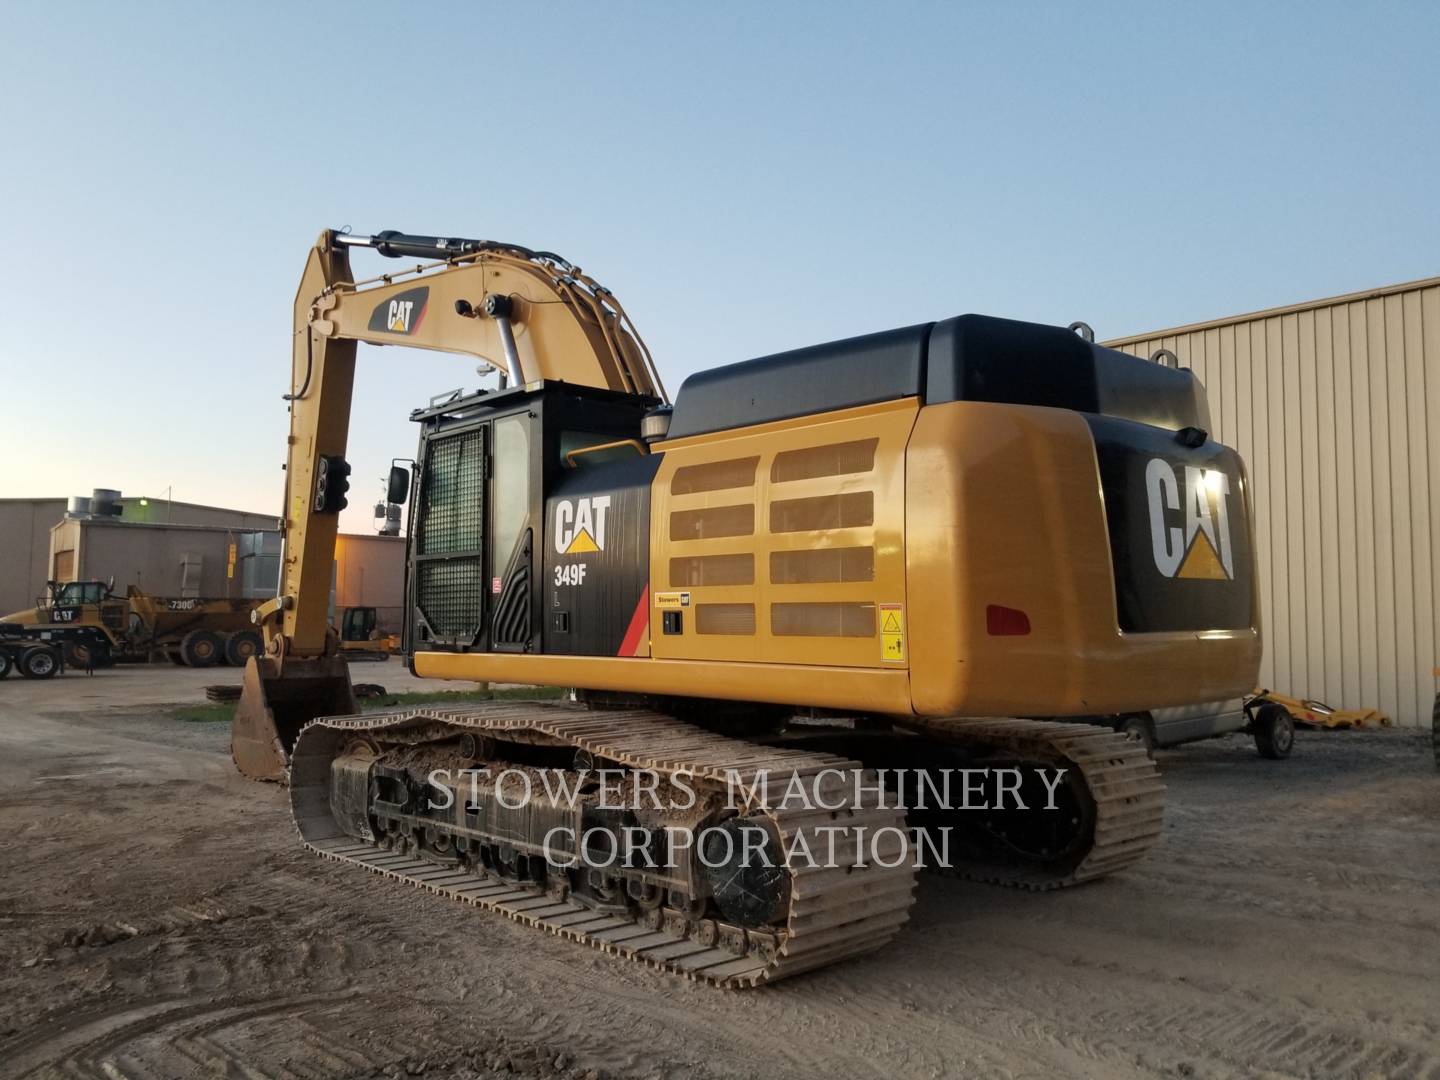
(448,555)
(473,545)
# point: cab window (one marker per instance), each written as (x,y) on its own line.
(512,486)
(80,592)
(359,624)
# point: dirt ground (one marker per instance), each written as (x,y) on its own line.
(157,919)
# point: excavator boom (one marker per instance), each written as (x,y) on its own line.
(532,315)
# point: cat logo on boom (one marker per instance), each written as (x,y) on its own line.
(399,318)
(402,313)
(1200,550)
(580,525)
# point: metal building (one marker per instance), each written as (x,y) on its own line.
(213,561)
(26,526)
(1335,406)
(159,559)
(172,548)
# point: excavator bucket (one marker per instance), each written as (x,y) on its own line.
(278,699)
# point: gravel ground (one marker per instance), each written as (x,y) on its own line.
(158,920)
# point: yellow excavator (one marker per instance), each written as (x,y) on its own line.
(932,550)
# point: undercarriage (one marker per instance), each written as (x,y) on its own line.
(733,861)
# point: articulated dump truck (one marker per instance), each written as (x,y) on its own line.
(854,571)
(100,628)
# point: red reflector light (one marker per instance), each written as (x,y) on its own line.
(1005,621)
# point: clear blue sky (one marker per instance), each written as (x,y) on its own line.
(746,177)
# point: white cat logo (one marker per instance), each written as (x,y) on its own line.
(402,313)
(399,316)
(1201,549)
(580,526)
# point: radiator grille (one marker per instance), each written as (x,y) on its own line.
(823,620)
(712,522)
(836,459)
(714,476)
(725,618)
(712,570)
(814,565)
(821,513)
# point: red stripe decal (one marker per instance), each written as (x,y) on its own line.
(639,624)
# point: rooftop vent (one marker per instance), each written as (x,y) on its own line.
(105,502)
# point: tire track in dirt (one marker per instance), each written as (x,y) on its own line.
(363,942)
(1286,924)
(1123,1012)
(138,1040)
(342,937)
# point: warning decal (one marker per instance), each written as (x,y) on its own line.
(892,632)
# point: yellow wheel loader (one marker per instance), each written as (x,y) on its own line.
(858,569)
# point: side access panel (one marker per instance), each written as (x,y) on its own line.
(784,543)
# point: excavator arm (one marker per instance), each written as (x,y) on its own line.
(532,315)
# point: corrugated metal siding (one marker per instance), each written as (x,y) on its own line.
(1335,407)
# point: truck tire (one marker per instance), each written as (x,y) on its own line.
(40,662)
(83,654)
(1435,731)
(1139,727)
(6,663)
(1274,731)
(200,648)
(242,645)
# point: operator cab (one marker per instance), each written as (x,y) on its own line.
(499,477)
(358,624)
(73,593)
(67,601)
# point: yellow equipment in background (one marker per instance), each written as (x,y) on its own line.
(360,636)
(1316,714)
(190,630)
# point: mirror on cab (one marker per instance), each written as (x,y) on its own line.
(397,489)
